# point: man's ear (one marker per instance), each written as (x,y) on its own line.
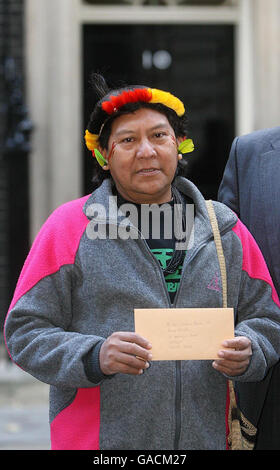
(180,140)
(104,154)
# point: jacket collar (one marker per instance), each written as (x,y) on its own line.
(202,226)
(102,207)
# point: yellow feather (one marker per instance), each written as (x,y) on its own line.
(91,140)
(169,100)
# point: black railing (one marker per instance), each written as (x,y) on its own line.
(15,145)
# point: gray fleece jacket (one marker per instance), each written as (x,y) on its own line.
(74,291)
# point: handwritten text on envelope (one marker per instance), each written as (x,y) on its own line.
(185,333)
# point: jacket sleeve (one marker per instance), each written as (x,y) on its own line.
(258,312)
(37,329)
(228,192)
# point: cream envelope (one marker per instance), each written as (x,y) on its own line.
(185,333)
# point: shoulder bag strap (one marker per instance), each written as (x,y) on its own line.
(234,438)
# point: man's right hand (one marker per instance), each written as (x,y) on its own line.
(125,352)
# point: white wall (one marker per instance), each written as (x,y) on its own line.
(267,63)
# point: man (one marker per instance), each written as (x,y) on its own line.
(250,187)
(71,321)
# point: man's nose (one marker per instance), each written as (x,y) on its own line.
(145,149)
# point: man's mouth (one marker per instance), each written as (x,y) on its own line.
(148,171)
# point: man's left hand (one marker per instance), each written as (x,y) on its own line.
(235,358)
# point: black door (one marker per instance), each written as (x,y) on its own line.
(195,62)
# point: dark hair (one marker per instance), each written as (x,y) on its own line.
(100,90)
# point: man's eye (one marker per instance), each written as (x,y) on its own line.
(128,140)
(158,135)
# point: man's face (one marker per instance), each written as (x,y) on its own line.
(143,156)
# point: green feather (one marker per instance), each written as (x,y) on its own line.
(186,146)
(99,157)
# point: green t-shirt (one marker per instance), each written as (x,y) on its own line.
(162,247)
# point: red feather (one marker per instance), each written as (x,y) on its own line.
(131,96)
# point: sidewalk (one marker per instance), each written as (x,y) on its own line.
(23,409)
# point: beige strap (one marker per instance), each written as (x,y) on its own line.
(217,238)
(235,438)
(219,247)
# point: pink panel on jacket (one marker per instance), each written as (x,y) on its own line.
(55,245)
(253,260)
(77,426)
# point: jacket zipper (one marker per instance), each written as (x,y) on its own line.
(178,405)
(178,378)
